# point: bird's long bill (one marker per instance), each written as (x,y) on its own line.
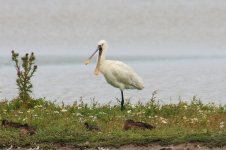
(97,69)
(89,59)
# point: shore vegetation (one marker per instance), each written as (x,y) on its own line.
(65,124)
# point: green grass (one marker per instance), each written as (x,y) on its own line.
(60,124)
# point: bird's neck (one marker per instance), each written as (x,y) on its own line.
(102,59)
(103,56)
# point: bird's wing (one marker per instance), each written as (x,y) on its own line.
(126,75)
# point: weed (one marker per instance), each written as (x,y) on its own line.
(25,71)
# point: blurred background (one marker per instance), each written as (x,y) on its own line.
(178,47)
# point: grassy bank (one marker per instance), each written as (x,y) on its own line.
(60,124)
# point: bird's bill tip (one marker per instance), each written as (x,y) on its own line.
(88,61)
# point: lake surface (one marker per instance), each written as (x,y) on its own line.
(178,47)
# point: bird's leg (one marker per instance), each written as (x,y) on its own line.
(122,101)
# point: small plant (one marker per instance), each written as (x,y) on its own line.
(25,71)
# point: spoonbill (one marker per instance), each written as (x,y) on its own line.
(116,73)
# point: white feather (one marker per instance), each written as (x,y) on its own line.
(120,75)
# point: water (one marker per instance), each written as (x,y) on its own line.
(177,47)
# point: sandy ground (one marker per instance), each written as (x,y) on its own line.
(156,146)
(189,146)
(153,146)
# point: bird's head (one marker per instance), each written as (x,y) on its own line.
(102,46)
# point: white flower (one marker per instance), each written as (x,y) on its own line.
(102,113)
(133,106)
(38,106)
(80,120)
(78,114)
(185,107)
(128,111)
(193,120)
(140,113)
(222,124)
(163,120)
(64,110)
(184,117)
(101,148)
(200,111)
(25,119)
(56,112)
(94,118)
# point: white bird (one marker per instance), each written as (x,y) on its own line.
(116,73)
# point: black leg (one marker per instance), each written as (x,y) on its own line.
(122,102)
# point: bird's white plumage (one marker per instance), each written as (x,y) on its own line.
(120,75)
(117,73)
